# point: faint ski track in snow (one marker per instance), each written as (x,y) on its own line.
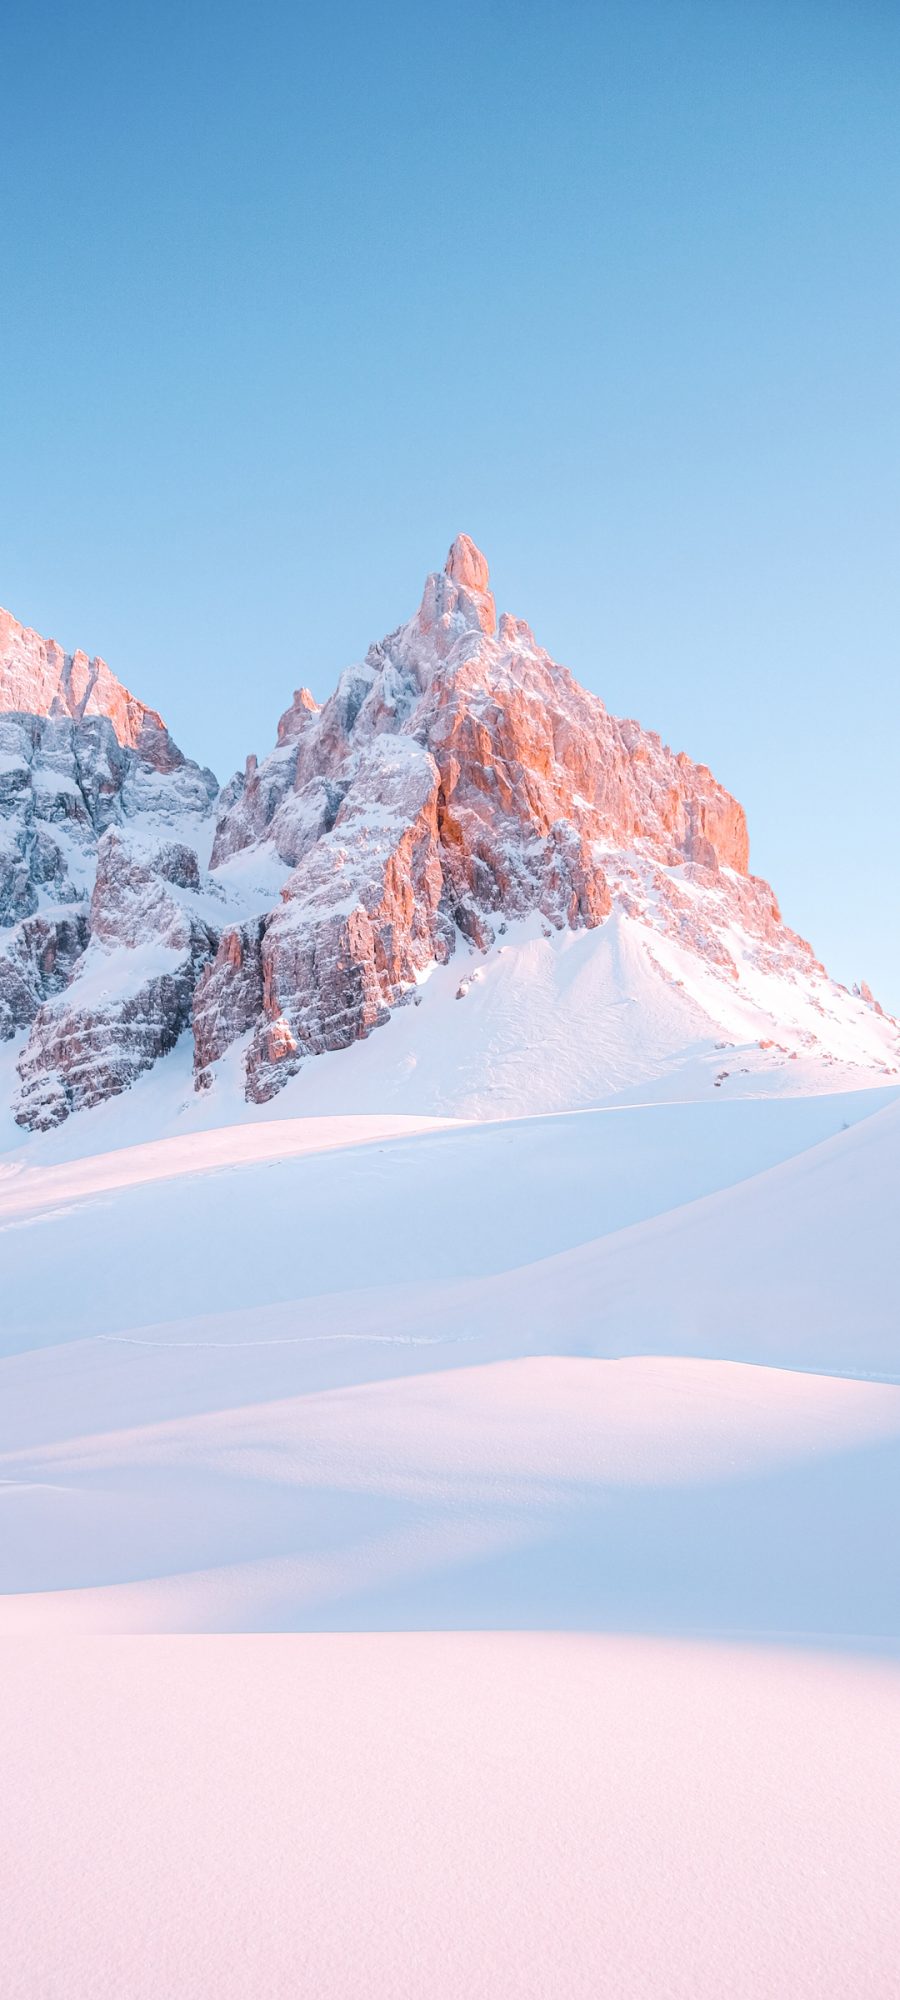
(287,1340)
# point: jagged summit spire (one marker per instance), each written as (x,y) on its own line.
(466,565)
(458,595)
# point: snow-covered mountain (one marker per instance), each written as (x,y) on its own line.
(516,1483)
(100,819)
(460,821)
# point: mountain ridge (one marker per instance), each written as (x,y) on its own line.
(38,677)
(458,785)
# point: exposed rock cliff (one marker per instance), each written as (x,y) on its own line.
(130,993)
(97,812)
(38,678)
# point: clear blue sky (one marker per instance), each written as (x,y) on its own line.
(292,294)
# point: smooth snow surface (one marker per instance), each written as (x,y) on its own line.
(521,1496)
(649,1495)
(333,1372)
(25,1189)
(447,1817)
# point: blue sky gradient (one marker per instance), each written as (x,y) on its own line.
(294,294)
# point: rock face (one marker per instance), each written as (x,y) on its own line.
(37,961)
(130,993)
(361,917)
(38,678)
(98,951)
(457,781)
(229,996)
(62,783)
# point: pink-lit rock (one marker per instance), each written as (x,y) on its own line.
(37,677)
(361,917)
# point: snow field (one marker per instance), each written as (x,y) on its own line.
(453,1816)
(307,1428)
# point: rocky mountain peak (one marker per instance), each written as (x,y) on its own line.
(466,565)
(457,781)
(91,783)
(294,720)
(457,598)
(458,787)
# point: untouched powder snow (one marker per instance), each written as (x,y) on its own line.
(655,1495)
(316,1208)
(25,1188)
(447,1817)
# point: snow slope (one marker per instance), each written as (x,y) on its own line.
(314,1208)
(628,1375)
(249,1436)
(538,1024)
(552,1023)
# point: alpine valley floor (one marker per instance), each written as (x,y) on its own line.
(450,1557)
